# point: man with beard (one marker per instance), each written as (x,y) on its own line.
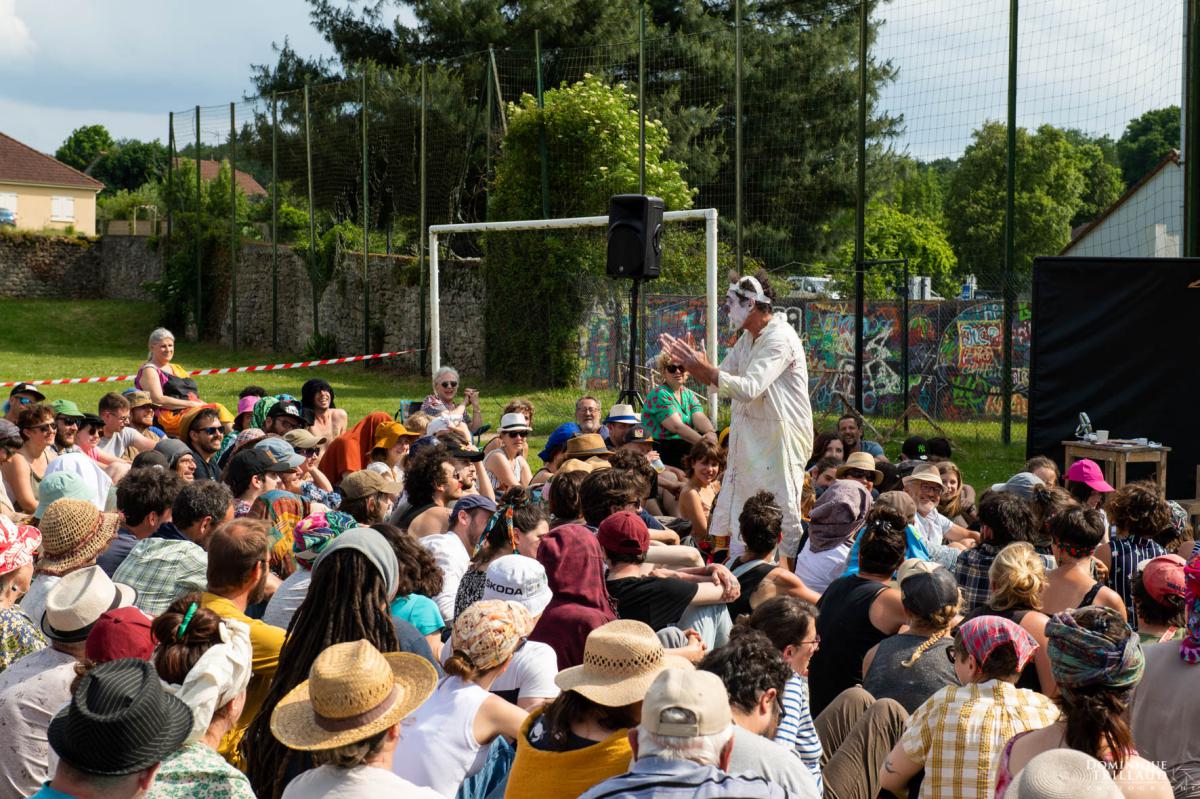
(172,562)
(433,485)
(587,416)
(238,565)
(284,417)
(67,418)
(201,430)
(850,432)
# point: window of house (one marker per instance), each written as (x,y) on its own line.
(62,209)
(8,200)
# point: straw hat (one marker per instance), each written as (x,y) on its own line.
(1063,773)
(586,444)
(76,602)
(863,461)
(589,466)
(73,533)
(620,660)
(353,691)
(926,473)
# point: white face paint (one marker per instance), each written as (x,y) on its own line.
(739,309)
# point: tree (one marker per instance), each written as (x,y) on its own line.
(130,163)
(893,234)
(1049,191)
(84,145)
(1146,141)
(1102,184)
(591,139)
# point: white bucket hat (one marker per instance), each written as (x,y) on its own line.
(516,578)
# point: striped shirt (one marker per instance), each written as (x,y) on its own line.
(796,729)
(1127,553)
(959,732)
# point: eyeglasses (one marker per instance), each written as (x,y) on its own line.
(449,384)
(67,421)
(517,433)
(308,453)
(675,369)
(815,642)
(212,431)
(44,428)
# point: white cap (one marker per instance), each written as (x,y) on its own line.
(519,579)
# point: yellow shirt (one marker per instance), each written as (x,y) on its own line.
(565,775)
(266,641)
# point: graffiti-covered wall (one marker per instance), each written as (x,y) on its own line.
(954,351)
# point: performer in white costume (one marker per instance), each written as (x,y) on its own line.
(770,431)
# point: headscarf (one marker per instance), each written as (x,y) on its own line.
(221,673)
(1084,656)
(838,515)
(502,518)
(574,564)
(258,416)
(1189,650)
(18,544)
(351,451)
(315,531)
(232,442)
(283,510)
(309,391)
(982,634)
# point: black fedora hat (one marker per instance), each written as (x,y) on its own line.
(120,720)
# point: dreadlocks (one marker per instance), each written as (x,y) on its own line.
(346,601)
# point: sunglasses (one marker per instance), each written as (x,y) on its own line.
(859,474)
(67,421)
(45,428)
(212,431)
(25,400)
(308,453)
(449,384)
(675,369)
(517,434)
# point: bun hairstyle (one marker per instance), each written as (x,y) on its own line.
(1137,509)
(181,644)
(761,522)
(515,512)
(1045,502)
(1076,530)
(1017,577)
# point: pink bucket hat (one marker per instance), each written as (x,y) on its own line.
(246,405)
(1088,472)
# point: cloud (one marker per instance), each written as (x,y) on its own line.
(44,127)
(16,42)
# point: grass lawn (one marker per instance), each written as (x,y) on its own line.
(42,339)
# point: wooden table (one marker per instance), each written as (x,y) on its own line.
(1113,456)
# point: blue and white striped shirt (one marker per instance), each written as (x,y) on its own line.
(796,728)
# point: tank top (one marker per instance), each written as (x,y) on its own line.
(846,635)
(749,576)
(911,685)
(440,750)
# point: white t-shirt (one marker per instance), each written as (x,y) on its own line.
(819,569)
(287,599)
(360,782)
(454,560)
(119,442)
(530,675)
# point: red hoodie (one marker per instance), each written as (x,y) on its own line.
(574,565)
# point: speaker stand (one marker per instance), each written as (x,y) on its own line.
(630,394)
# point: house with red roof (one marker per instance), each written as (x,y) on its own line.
(43,192)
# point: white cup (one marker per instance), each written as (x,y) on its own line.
(1101,436)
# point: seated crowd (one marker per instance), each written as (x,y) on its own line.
(286,602)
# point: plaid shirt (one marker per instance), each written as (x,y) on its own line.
(971,571)
(161,570)
(959,732)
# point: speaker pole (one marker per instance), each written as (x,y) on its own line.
(631,395)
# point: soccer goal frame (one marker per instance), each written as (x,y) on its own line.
(707,215)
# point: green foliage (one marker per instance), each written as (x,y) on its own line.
(84,145)
(123,203)
(1146,141)
(129,164)
(1049,193)
(591,140)
(1102,184)
(893,234)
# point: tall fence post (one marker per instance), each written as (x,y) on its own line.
(1010,192)
(233,224)
(487,150)
(422,223)
(196,234)
(366,224)
(860,207)
(275,221)
(641,97)
(737,130)
(312,218)
(1191,132)
(170,181)
(541,103)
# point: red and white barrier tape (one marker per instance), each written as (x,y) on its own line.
(62,381)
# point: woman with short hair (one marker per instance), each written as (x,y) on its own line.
(674,414)
(24,470)
(443,402)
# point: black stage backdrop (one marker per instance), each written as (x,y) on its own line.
(1117,338)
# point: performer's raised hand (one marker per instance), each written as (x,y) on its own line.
(693,359)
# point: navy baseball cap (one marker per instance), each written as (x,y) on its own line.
(472,502)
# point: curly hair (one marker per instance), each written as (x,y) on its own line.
(749,665)
(419,572)
(1137,510)
(603,492)
(423,474)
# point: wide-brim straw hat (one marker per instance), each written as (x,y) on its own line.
(860,460)
(926,474)
(589,466)
(620,660)
(353,692)
(586,444)
(74,532)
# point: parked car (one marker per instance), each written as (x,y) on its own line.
(7,217)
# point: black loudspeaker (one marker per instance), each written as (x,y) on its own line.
(634,236)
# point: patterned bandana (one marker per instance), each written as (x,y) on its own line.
(315,531)
(489,631)
(18,543)
(1189,650)
(983,634)
(502,516)
(1083,656)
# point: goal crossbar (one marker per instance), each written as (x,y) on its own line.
(707,215)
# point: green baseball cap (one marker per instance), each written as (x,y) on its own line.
(64,407)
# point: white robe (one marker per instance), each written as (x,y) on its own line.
(770,429)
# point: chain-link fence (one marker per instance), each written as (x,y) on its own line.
(888,190)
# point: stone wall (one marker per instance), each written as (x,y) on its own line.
(44,266)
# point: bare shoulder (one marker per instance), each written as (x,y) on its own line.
(1141,779)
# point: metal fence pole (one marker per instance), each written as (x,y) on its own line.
(487,149)
(312,218)
(541,102)
(423,222)
(860,208)
(196,228)
(737,130)
(274,221)
(1191,132)
(641,97)
(366,225)
(170,181)
(1010,192)
(233,227)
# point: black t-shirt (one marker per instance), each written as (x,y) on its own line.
(657,601)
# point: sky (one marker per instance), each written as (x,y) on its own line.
(1089,64)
